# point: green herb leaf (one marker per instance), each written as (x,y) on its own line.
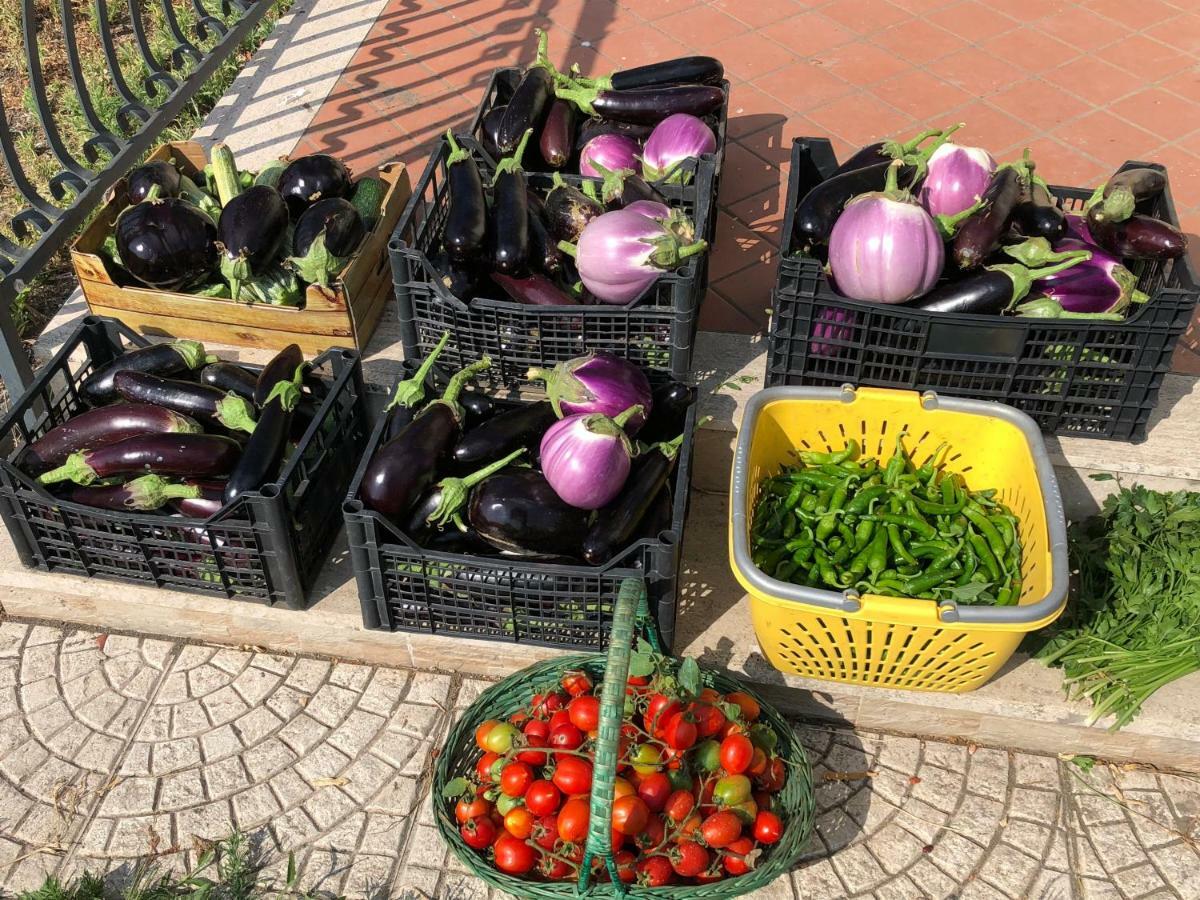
(689,676)
(455,788)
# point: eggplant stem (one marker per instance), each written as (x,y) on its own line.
(74,469)
(457,154)
(512,163)
(455,490)
(236,413)
(411,391)
(568,248)
(582,97)
(625,415)
(693,249)
(459,380)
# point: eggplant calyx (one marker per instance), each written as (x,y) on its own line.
(411,391)
(287,390)
(316,265)
(1046,308)
(512,164)
(236,270)
(455,491)
(1036,251)
(458,381)
(457,154)
(668,253)
(1116,207)
(580,95)
(1023,276)
(236,413)
(74,469)
(614,426)
(152,491)
(612,182)
(948,224)
(670,449)
(542,58)
(192,352)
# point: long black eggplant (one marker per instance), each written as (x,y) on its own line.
(171,358)
(260,461)
(146,492)
(1118,198)
(402,469)
(556,142)
(518,510)
(505,432)
(157,454)
(489,128)
(451,540)
(463,282)
(979,234)
(100,427)
(534,290)
(196,400)
(568,210)
(409,395)
(311,178)
(658,517)
(821,206)
(208,500)
(1139,237)
(466,211)
(283,366)
(669,410)
(509,214)
(646,106)
(443,504)
(684,70)
(625,186)
(325,237)
(1038,215)
(617,524)
(530,101)
(544,253)
(166,243)
(230,377)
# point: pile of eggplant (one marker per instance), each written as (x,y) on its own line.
(172,429)
(576,477)
(253,238)
(941,227)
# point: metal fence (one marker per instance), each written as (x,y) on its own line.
(167,82)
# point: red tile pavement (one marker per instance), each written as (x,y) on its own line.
(1086,85)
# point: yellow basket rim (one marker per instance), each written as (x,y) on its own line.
(1027,617)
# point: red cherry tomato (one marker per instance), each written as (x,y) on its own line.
(736,753)
(688,859)
(655,871)
(545,831)
(747,704)
(773,779)
(513,855)
(478,832)
(758,763)
(737,858)
(680,732)
(585,712)
(709,719)
(652,835)
(566,737)
(471,807)
(768,827)
(519,822)
(534,753)
(576,683)
(573,820)
(554,869)
(483,768)
(515,779)
(658,712)
(721,829)
(630,815)
(689,828)
(558,719)
(542,798)
(679,806)
(537,728)
(655,788)
(626,866)
(572,775)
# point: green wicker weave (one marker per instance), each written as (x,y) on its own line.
(795,802)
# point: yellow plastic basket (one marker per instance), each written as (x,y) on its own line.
(922,645)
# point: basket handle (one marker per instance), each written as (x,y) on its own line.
(631,607)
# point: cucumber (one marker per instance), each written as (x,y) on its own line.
(225,174)
(269,174)
(367,199)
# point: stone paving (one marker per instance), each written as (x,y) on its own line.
(113,748)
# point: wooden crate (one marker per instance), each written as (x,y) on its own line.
(343,315)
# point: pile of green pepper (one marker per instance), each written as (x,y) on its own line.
(837,521)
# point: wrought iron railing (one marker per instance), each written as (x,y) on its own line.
(167,81)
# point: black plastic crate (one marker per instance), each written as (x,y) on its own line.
(505,81)
(657,331)
(267,546)
(1074,377)
(404,587)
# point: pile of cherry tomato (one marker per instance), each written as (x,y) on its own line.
(692,801)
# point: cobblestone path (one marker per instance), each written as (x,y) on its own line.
(112,748)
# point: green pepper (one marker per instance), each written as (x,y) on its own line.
(938,509)
(1007,528)
(877,557)
(841,554)
(970,563)
(846,533)
(829,520)
(809,503)
(803,554)
(990,564)
(929,467)
(976,516)
(925,583)
(863,532)
(893,533)
(945,559)
(916,526)
(785,570)
(862,500)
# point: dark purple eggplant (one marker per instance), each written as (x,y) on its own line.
(463,282)
(146,492)
(409,395)
(230,377)
(505,432)
(594,127)
(647,106)
(1139,237)
(672,401)
(557,139)
(821,206)
(157,454)
(250,233)
(466,211)
(443,504)
(544,253)
(534,290)
(518,510)
(452,540)
(100,427)
(568,210)
(684,70)
(617,524)
(625,186)
(286,365)
(1038,215)
(886,151)
(146,176)
(208,501)
(196,400)
(979,234)
(402,469)
(509,213)
(311,178)
(1000,287)
(326,235)
(478,406)
(166,243)
(530,101)
(171,358)
(489,128)
(658,517)
(1118,198)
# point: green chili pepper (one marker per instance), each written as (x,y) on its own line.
(946,558)
(949,492)
(847,534)
(816,458)
(789,526)
(809,503)
(916,526)
(898,463)
(863,532)
(785,570)
(990,564)
(829,521)
(862,500)
(938,509)
(893,533)
(877,557)
(970,563)
(1004,524)
(976,516)
(926,582)
(803,554)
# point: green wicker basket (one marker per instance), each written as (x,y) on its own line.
(796,802)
